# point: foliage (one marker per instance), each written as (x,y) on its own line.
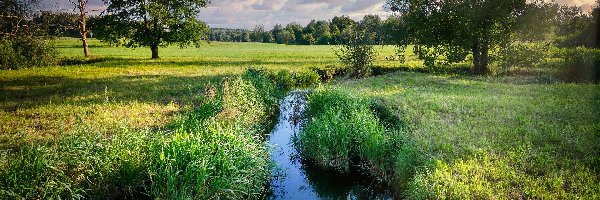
(580,65)
(358,54)
(327,73)
(522,55)
(575,28)
(23,41)
(16,18)
(151,23)
(317,32)
(445,28)
(20,52)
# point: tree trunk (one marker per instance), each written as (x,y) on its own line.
(86,51)
(485,59)
(476,58)
(154,49)
(481,58)
(82,6)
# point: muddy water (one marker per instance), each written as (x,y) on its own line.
(297,179)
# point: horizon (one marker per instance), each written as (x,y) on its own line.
(242,14)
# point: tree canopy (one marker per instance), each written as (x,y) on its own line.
(152,23)
(455,28)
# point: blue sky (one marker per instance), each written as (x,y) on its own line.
(249,13)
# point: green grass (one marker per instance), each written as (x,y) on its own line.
(121,86)
(491,137)
(215,151)
(120,123)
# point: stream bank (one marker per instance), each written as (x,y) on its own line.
(296,178)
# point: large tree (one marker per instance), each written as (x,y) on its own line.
(455,28)
(152,23)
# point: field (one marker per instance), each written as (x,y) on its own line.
(123,87)
(462,136)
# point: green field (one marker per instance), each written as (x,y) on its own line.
(464,136)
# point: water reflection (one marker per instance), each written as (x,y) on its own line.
(298,179)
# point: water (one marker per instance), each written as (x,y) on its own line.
(298,179)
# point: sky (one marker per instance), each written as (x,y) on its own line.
(247,14)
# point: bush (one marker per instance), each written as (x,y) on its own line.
(357,54)
(521,55)
(327,73)
(580,65)
(24,52)
(307,78)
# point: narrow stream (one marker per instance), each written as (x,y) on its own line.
(297,179)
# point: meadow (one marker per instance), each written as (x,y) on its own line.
(178,127)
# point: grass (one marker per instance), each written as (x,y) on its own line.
(121,86)
(215,151)
(191,125)
(487,137)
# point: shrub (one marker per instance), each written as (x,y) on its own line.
(580,65)
(26,51)
(285,80)
(357,54)
(307,78)
(522,55)
(327,73)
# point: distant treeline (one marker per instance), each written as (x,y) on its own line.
(320,32)
(568,27)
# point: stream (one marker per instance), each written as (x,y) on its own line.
(294,178)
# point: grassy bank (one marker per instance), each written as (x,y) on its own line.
(469,137)
(215,151)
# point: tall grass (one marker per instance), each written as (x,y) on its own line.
(216,151)
(342,131)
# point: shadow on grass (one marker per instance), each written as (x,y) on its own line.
(35,91)
(126,62)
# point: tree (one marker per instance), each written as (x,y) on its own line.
(339,25)
(297,30)
(372,25)
(15,18)
(358,53)
(152,23)
(394,31)
(455,28)
(575,28)
(257,33)
(323,32)
(23,39)
(267,37)
(81,6)
(277,33)
(538,22)
(287,36)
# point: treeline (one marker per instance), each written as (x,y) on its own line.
(565,26)
(318,32)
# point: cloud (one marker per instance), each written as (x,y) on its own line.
(585,5)
(249,13)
